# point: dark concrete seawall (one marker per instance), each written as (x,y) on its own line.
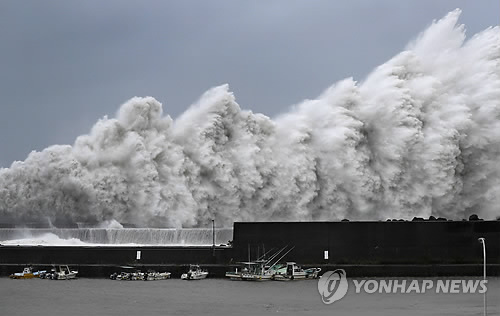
(440,248)
(114,255)
(373,243)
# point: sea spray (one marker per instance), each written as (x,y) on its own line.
(419,136)
(115,236)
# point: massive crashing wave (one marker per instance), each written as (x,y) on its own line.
(420,136)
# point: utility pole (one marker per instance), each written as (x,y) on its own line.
(213,237)
(483,241)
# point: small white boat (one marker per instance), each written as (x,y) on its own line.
(234,275)
(245,269)
(129,273)
(137,275)
(294,272)
(120,276)
(153,276)
(312,273)
(194,273)
(63,273)
(26,274)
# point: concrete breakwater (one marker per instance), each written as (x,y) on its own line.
(402,248)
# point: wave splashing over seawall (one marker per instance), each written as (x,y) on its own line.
(419,136)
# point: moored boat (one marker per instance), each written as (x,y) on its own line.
(294,272)
(138,275)
(257,271)
(63,272)
(260,270)
(120,276)
(250,271)
(312,273)
(26,274)
(194,273)
(152,275)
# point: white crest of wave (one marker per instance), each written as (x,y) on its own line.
(419,136)
(47,239)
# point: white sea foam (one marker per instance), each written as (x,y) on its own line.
(47,239)
(115,236)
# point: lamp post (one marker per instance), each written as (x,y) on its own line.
(213,237)
(482,241)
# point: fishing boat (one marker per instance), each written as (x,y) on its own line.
(259,270)
(138,275)
(249,271)
(152,275)
(312,273)
(26,274)
(63,273)
(234,275)
(127,273)
(120,276)
(294,272)
(194,273)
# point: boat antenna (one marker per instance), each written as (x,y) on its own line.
(276,254)
(265,253)
(282,257)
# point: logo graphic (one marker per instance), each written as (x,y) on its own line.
(332,286)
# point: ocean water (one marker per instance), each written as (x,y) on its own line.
(222,297)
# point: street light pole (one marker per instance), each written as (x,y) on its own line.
(483,241)
(213,232)
(213,237)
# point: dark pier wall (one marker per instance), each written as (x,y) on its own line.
(110,255)
(372,243)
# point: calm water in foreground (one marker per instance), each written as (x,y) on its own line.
(222,297)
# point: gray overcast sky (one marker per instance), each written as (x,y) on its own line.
(64,64)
